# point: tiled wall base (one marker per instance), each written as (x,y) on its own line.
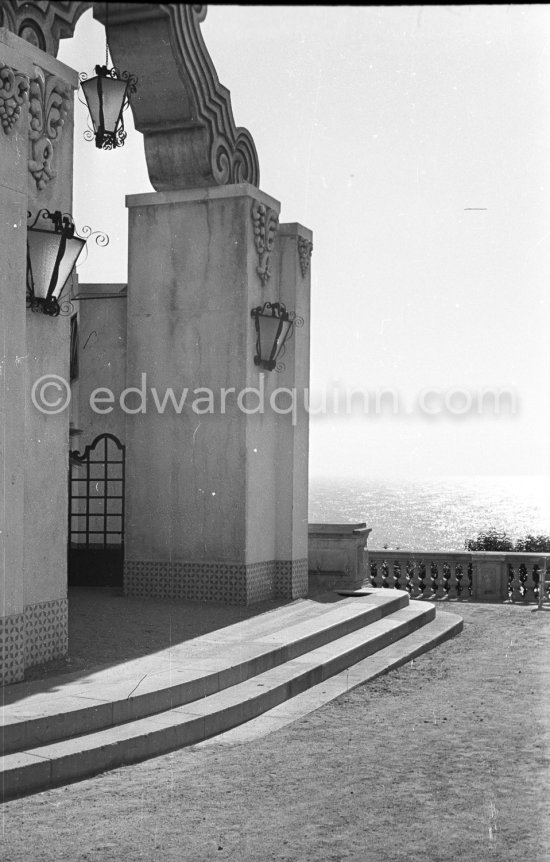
(38,635)
(291,580)
(46,631)
(232,583)
(12,648)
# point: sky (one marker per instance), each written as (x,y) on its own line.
(415,143)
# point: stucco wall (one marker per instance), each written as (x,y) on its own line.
(101,362)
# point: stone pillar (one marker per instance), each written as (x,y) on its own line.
(489,578)
(50,185)
(15,72)
(203,474)
(294,247)
(35,173)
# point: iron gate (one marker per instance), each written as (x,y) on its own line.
(96,513)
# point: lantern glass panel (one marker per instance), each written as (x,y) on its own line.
(72,252)
(43,250)
(286,326)
(269,327)
(113,92)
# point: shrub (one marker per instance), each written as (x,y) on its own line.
(492,540)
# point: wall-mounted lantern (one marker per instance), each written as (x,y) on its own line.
(107,97)
(273,327)
(51,257)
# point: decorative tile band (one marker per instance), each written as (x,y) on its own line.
(12,649)
(291,579)
(232,583)
(46,631)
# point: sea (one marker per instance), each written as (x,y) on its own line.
(434,514)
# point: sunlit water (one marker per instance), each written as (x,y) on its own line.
(434,514)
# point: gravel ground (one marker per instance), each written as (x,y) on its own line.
(443,759)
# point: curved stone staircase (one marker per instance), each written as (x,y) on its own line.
(71,727)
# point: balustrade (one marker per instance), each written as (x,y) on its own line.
(459,576)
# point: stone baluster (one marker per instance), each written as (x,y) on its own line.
(425,589)
(529,582)
(517,593)
(438,580)
(452,581)
(406,569)
(400,575)
(373,569)
(414,579)
(430,580)
(462,579)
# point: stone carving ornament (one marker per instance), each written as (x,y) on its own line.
(14,90)
(305,250)
(48,107)
(180,106)
(266,223)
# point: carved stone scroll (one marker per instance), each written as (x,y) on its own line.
(49,104)
(266,223)
(180,106)
(14,91)
(305,249)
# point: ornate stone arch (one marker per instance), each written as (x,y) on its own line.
(42,24)
(180,106)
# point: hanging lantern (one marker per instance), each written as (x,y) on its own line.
(107,97)
(273,327)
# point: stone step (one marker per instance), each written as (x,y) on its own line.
(86,755)
(39,713)
(443,627)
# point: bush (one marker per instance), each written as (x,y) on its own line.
(492,540)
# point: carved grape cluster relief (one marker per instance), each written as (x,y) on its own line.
(48,108)
(14,90)
(266,223)
(305,249)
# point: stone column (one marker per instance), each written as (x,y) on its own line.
(202,519)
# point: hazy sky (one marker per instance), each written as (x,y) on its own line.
(380,128)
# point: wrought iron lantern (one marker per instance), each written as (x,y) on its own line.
(107,97)
(273,328)
(51,258)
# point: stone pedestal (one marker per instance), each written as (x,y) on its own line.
(216,479)
(338,556)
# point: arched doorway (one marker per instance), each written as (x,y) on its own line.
(96,513)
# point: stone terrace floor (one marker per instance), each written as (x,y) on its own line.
(107,628)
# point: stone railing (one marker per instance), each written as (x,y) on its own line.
(480,576)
